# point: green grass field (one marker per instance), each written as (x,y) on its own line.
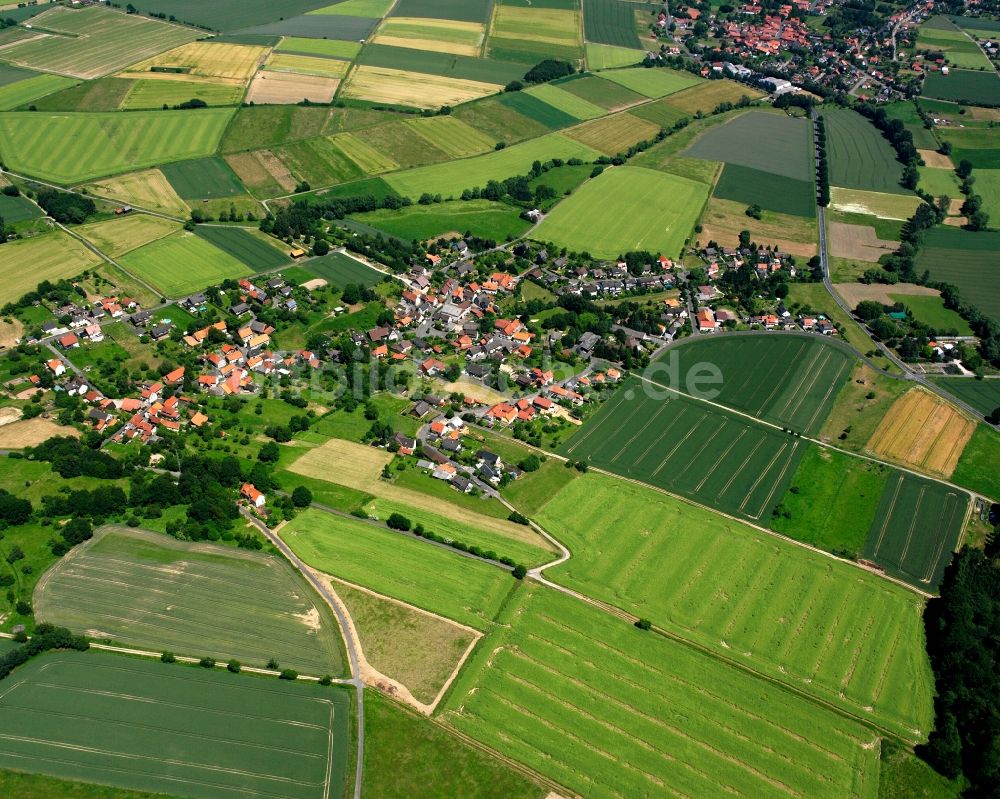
(941,35)
(609,22)
(157,93)
(483,218)
(938,182)
(340,269)
(659,112)
(571,104)
(967,261)
(916,528)
(318,161)
(203,178)
(652,83)
(18,209)
(537,110)
(931,311)
(979,146)
(331,48)
(610,711)
(666,440)
(451,178)
(249,246)
(413,571)
(963,86)
(606,56)
(69,148)
(978,468)
(987,186)
(781,144)
(786,380)
(860,158)
(105,718)
(182,263)
(604,93)
(501,121)
(614,134)
(152,591)
(776,193)
(627,208)
(983,395)
(451,135)
(26,91)
(52,256)
(746,595)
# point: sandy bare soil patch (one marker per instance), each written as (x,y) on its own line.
(10,332)
(31,432)
(858,242)
(955,206)
(853,293)
(315,283)
(286,88)
(924,431)
(936,160)
(9,415)
(956,221)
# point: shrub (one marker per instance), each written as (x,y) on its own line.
(397,521)
(288,674)
(644,624)
(168,657)
(234,666)
(207,663)
(519,571)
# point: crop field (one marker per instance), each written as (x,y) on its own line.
(653,83)
(977,145)
(707,96)
(331,48)
(287,88)
(356,8)
(609,22)
(95,42)
(17,209)
(157,93)
(794,614)
(451,135)
(150,590)
(252,247)
(604,93)
(227,15)
(922,431)
(339,269)
(941,35)
(659,112)
(454,177)
(103,94)
(967,261)
(503,122)
(916,529)
(978,468)
(148,189)
(874,203)
(204,178)
(438,35)
(448,65)
(51,257)
(482,218)
(606,56)
(319,161)
(226,63)
(963,86)
(318,66)
(564,101)
(316,26)
(614,134)
(25,91)
(668,716)
(530,34)
(104,718)
(368,159)
(860,158)
(777,193)
(399,566)
(781,144)
(414,89)
(669,441)
(115,237)
(461,10)
(791,381)
(69,148)
(535,109)
(627,208)
(983,395)
(181,263)
(396,141)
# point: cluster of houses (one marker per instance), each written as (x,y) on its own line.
(85,321)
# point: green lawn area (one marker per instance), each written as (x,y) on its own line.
(482,218)
(651,82)
(932,311)
(979,466)
(626,208)
(182,263)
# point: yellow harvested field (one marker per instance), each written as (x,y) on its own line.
(433,45)
(260,167)
(146,189)
(438,35)
(25,263)
(413,89)
(115,237)
(289,88)
(923,431)
(227,63)
(32,432)
(307,65)
(360,467)
(936,160)
(724,219)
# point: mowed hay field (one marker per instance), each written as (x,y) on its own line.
(81,716)
(860,157)
(413,89)
(95,41)
(150,590)
(451,135)
(405,568)
(115,237)
(626,208)
(667,440)
(157,93)
(916,528)
(923,431)
(181,263)
(652,83)
(723,221)
(359,467)
(147,189)
(226,63)
(800,617)
(69,148)
(24,91)
(788,380)
(589,701)
(25,263)
(614,134)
